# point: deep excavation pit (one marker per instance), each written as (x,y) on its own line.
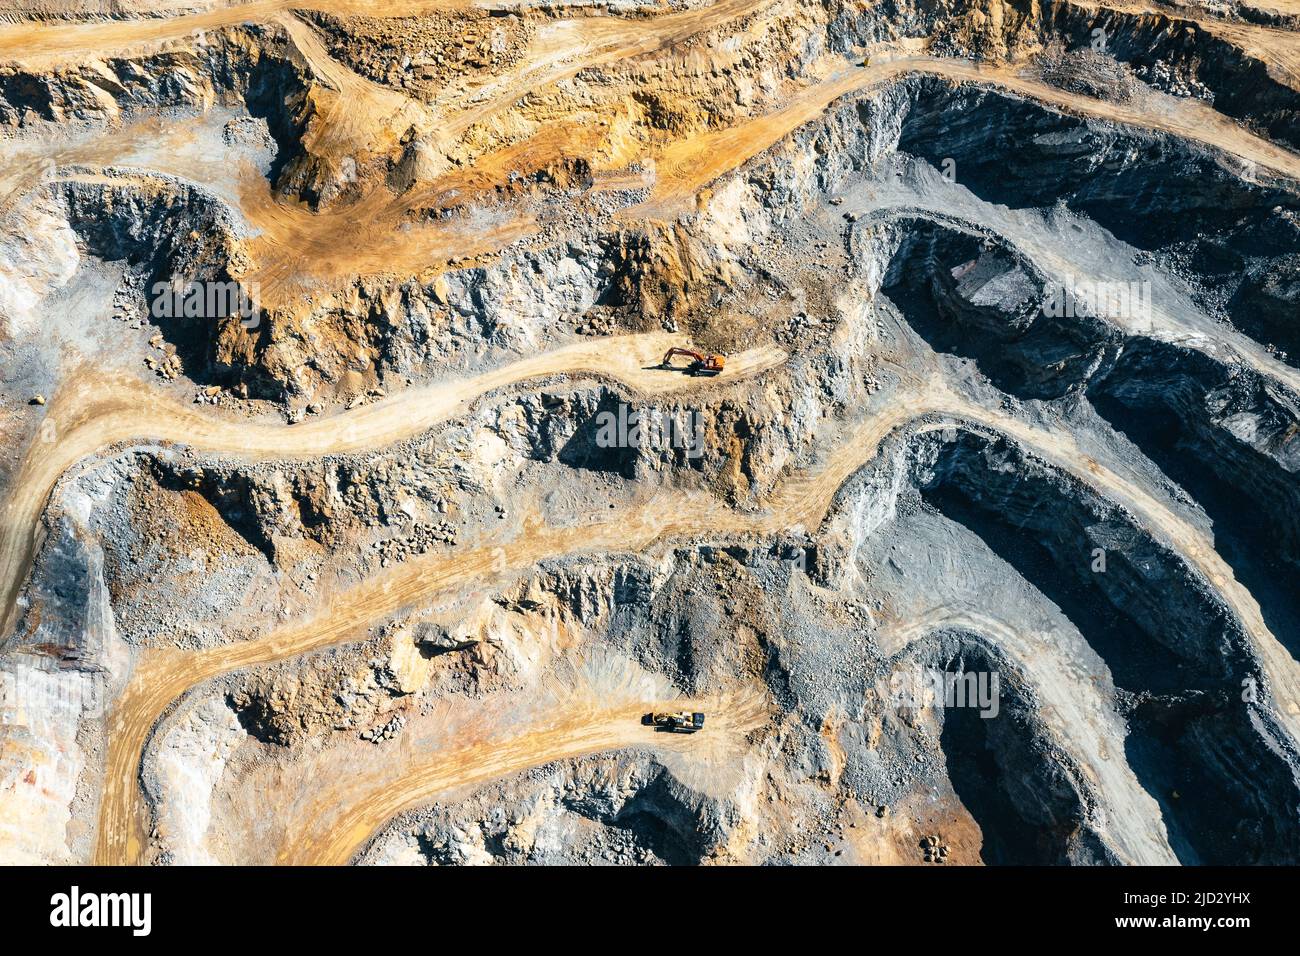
(1148,189)
(968,295)
(174,236)
(1229,439)
(1231,231)
(1031,807)
(1221,432)
(1178,658)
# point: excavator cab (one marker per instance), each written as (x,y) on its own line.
(682,721)
(701,364)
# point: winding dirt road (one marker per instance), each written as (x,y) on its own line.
(333,838)
(297,246)
(34,41)
(686,166)
(334,826)
(93,410)
(161,676)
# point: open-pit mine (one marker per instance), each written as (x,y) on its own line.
(650,432)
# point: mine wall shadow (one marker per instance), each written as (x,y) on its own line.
(1235,802)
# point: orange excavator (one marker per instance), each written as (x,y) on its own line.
(701,364)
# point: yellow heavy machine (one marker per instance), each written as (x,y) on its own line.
(680,722)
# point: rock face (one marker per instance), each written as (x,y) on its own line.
(598,811)
(980,549)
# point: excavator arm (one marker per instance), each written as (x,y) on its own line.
(675,351)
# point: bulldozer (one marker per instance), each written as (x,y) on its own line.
(701,364)
(680,722)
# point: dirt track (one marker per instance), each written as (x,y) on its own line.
(31,42)
(333,838)
(336,826)
(297,246)
(25,41)
(688,165)
(93,411)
